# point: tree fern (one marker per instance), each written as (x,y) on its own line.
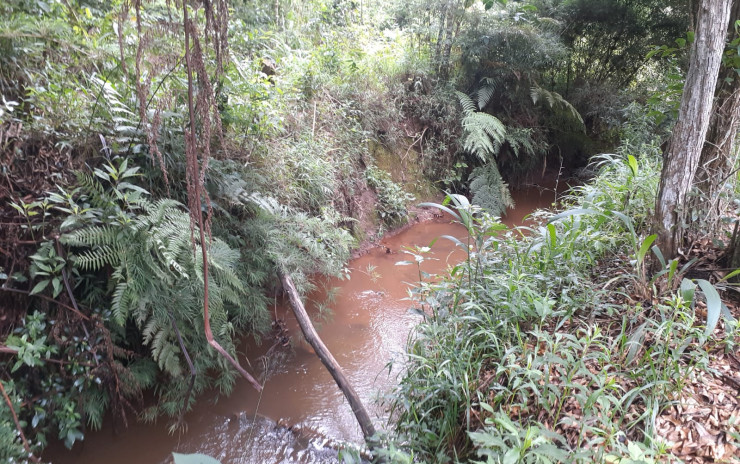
(489,190)
(483,133)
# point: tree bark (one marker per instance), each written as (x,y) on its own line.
(331,364)
(734,257)
(452,23)
(440,36)
(719,156)
(684,149)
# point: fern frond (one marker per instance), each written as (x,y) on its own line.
(466,102)
(95,402)
(489,190)
(521,140)
(98,257)
(486,91)
(92,236)
(555,100)
(120,303)
(484,134)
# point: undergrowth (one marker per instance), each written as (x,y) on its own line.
(550,343)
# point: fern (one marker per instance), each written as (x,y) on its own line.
(94,403)
(490,191)
(483,133)
(521,141)
(555,101)
(147,247)
(485,92)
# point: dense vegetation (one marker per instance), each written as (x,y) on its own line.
(186,153)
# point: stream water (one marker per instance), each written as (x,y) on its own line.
(301,404)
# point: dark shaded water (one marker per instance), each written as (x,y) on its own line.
(369,327)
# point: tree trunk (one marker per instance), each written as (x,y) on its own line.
(719,156)
(452,22)
(440,36)
(363,418)
(684,149)
(734,257)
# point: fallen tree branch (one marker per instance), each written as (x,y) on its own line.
(312,337)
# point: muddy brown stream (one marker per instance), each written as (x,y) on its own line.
(368,328)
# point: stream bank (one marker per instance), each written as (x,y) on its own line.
(300,404)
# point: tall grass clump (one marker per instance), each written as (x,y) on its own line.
(549,343)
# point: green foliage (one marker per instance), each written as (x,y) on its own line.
(147,248)
(555,101)
(392,199)
(489,190)
(531,328)
(628,30)
(483,133)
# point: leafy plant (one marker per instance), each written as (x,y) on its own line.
(392,199)
(483,133)
(489,190)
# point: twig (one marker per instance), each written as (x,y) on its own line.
(18,425)
(414,143)
(44,297)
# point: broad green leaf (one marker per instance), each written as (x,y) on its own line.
(552,234)
(455,240)
(731,275)
(659,255)
(39,287)
(714,305)
(57,284)
(438,206)
(645,247)
(687,290)
(632,162)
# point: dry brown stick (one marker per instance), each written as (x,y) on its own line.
(18,425)
(331,364)
(201,226)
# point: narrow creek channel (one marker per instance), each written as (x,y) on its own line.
(368,327)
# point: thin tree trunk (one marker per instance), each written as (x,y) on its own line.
(331,364)
(440,36)
(449,38)
(684,149)
(719,154)
(734,257)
